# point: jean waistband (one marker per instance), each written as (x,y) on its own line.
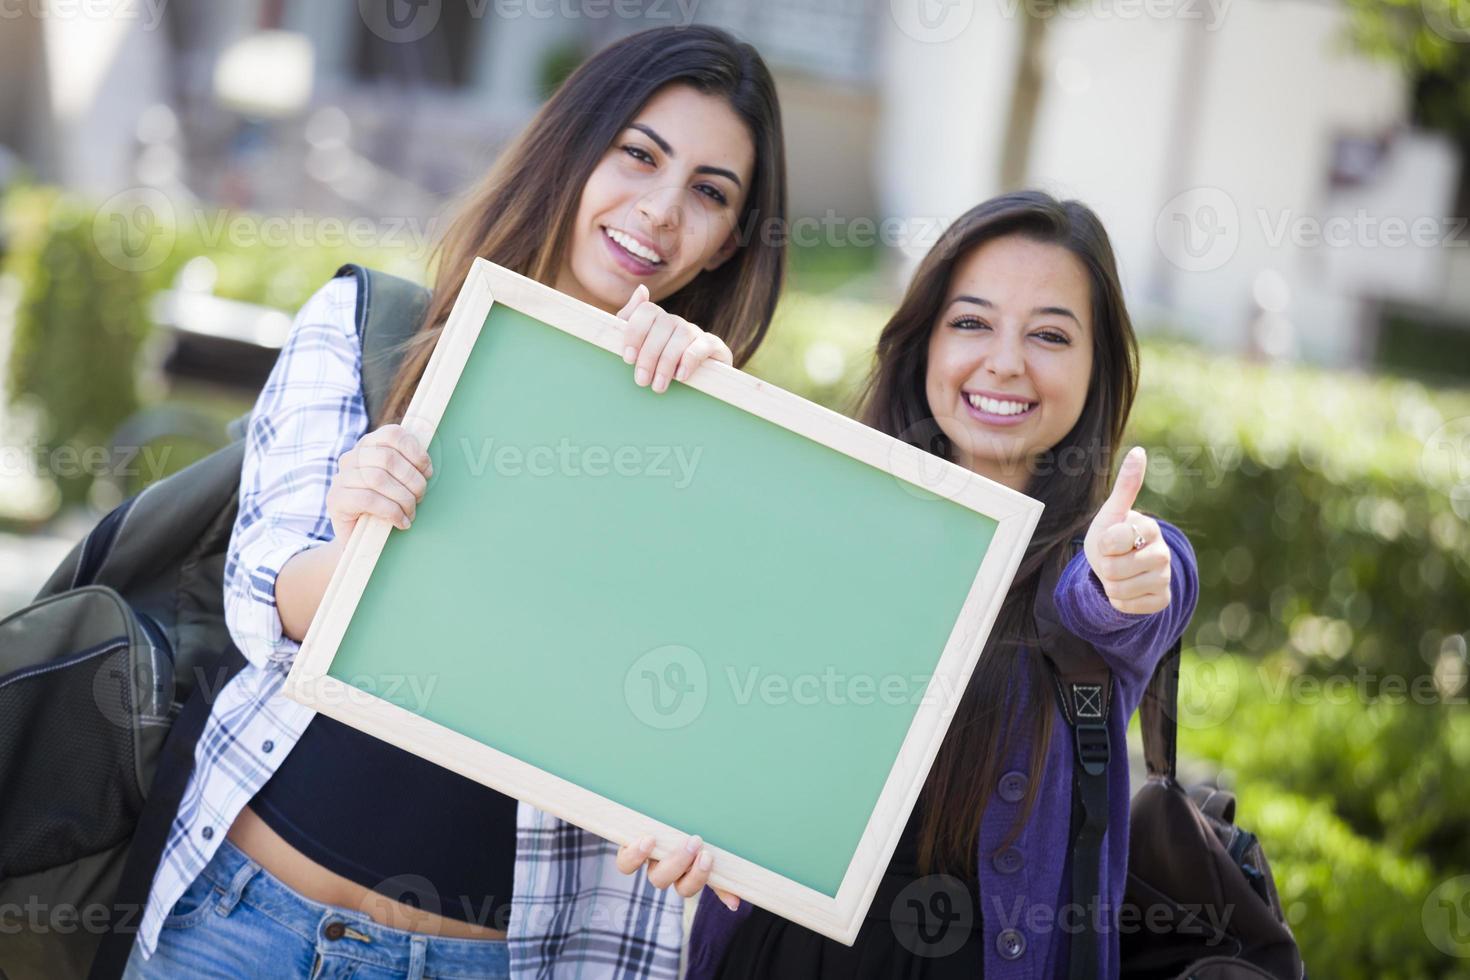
(347,932)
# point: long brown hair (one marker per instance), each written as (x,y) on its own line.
(521,215)
(1072,479)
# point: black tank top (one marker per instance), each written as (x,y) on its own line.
(395,823)
(918,928)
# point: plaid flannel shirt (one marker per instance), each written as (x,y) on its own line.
(573,914)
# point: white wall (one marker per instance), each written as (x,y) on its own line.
(944,88)
(1235,107)
(101,74)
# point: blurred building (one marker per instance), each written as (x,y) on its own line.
(1261,182)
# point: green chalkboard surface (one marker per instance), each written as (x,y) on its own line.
(679,605)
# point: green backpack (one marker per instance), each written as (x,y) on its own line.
(106,680)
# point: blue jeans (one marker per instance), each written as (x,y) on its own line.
(237,920)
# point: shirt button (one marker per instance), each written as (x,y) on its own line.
(1011,944)
(334,930)
(1008,861)
(267,746)
(1012,786)
(207,833)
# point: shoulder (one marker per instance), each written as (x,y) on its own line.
(333,304)
(324,332)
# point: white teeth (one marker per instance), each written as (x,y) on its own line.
(633,245)
(995,407)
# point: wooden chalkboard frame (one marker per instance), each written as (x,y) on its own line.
(841,917)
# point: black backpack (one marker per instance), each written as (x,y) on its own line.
(1189,867)
(107,678)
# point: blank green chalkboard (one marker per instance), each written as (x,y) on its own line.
(722,610)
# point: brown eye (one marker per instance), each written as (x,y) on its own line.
(638,153)
(713,193)
(969,323)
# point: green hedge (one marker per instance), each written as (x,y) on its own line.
(1361,806)
(87,274)
(1394,763)
(80,317)
(1322,508)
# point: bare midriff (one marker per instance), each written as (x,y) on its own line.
(311,880)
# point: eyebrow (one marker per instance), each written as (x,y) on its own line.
(663,144)
(1056,310)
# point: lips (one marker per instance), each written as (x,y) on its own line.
(997,409)
(633,254)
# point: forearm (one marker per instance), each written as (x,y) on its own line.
(301,584)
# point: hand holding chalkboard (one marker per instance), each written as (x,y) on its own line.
(661,345)
(385,474)
(687,869)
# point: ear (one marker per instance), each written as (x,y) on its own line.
(722,255)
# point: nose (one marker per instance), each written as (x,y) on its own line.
(1005,356)
(661,208)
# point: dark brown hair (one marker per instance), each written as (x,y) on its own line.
(1072,479)
(522,213)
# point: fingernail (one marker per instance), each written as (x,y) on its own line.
(692,844)
(732,903)
(683,372)
(660,382)
(628,354)
(640,376)
(705,860)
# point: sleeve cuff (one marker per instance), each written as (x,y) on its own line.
(1090,611)
(271,643)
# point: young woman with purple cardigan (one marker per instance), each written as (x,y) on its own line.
(1012,354)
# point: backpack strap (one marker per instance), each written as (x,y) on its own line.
(389,312)
(1084,689)
(1084,686)
(155,821)
(1158,716)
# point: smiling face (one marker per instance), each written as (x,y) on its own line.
(1010,355)
(662,205)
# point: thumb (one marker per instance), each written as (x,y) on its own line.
(731,900)
(640,295)
(1125,490)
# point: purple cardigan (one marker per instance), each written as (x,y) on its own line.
(1022,913)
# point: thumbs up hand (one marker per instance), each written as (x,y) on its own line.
(1126,549)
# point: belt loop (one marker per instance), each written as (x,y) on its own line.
(232,895)
(417,957)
